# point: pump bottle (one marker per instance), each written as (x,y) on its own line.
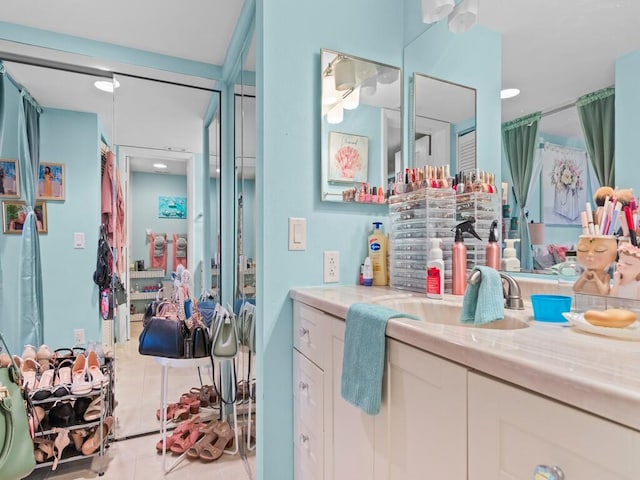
(510,262)
(459,264)
(492,251)
(377,250)
(435,270)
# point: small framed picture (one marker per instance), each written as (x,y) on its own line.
(9,178)
(348,157)
(51,181)
(14,215)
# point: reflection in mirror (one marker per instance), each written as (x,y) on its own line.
(361,128)
(444,124)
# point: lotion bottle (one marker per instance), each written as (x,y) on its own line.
(459,264)
(367,273)
(492,251)
(510,262)
(435,270)
(377,250)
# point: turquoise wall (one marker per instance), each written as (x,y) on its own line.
(288,183)
(627,120)
(70,296)
(473,59)
(145,190)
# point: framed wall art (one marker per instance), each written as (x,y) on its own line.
(172,207)
(14,213)
(9,178)
(51,181)
(348,158)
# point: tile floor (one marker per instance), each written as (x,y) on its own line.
(133,456)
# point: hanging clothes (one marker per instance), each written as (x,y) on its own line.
(158,250)
(113,209)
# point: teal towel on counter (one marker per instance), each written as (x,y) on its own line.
(363,359)
(484,301)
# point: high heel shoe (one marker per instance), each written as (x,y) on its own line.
(190,401)
(92,444)
(184,443)
(210,437)
(43,450)
(78,437)
(29,369)
(98,379)
(79,383)
(45,385)
(62,378)
(59,444)
(44,357)
(177,433)
(213,451)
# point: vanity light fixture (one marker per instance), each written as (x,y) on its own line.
(107,85)
(434,10)
(345,73)
(509,93)
(464,16)
(161,166)
(369,86)
(352,101)
(336,114)
(329,93)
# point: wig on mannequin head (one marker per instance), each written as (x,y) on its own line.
(185,276)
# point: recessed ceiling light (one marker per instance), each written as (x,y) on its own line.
(509,93)
(159,165)
(107,85)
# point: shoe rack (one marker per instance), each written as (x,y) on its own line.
(86,438)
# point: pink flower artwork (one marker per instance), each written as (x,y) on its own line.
(348,162)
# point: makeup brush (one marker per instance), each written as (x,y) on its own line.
(599,198)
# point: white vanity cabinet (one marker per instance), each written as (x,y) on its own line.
(511,431)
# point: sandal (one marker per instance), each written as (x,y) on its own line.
(45,385)
(180,413)
(171,408)
(210,436)
(190,401)
(44,357)
(98,379)
(177,433)
(59,444)
(92,444)
(78,437)
(94,410)
(184,443)
(29,369)
(43,449)
(214,450)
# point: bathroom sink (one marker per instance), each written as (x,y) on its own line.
(447,312)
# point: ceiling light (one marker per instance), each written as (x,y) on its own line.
(107,85)
(434,10)
(336,114)
(353,99)
(159,165)
(464,16)
(345,73)
(509,93)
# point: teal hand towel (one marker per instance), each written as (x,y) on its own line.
(363,359)
(483,302)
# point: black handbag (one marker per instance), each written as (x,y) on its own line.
(201,342)
(163,337)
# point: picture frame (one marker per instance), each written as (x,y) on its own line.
(51,181)
(348,158)
(9,178)
(172,207)
(11,223)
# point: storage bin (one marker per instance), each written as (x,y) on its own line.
(549,308)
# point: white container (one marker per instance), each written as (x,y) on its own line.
(367,273)
(435,270)
(510,262)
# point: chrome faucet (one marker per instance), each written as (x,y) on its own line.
(510,289)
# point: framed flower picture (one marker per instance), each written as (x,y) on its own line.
(9,178)
(51,181)
(348,157)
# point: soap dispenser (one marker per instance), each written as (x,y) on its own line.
(492,251)
(510,262)
(435,270)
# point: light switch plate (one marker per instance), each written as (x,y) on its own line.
(297,233)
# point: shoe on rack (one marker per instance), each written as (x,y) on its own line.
(190,401)
(79,383)
(29,368)
(94,410)
(5,360)
(98,379)
(45,386)
(45,357)
(43,449)
(29,352)
(78,437)
(59,444)
(92,444)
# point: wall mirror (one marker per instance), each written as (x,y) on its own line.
(443,124)
(361,127)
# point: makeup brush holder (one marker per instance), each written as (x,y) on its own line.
(595,253)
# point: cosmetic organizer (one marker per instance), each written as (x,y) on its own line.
(484,208)
(415,218)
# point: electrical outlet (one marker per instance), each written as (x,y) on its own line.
(78,336)
(331,266)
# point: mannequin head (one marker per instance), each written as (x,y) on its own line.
(596,252)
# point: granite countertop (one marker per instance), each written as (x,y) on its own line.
(598,374)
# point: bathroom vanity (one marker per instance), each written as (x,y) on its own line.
(462,402)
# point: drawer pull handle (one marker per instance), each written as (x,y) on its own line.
(304,386)
(304,440)
(304,331)
(544,472)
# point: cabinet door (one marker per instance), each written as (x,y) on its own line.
(349,432)
(426,429)
(511,431)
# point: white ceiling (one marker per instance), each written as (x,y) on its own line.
(553,50)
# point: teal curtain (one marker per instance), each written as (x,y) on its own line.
(30,304)
(1,106)
(519,140)
(596,111)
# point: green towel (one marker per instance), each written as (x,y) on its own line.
(484,301)
(363,359)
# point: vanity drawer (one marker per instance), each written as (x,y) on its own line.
(308,332)
(308,393)
(307,451)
